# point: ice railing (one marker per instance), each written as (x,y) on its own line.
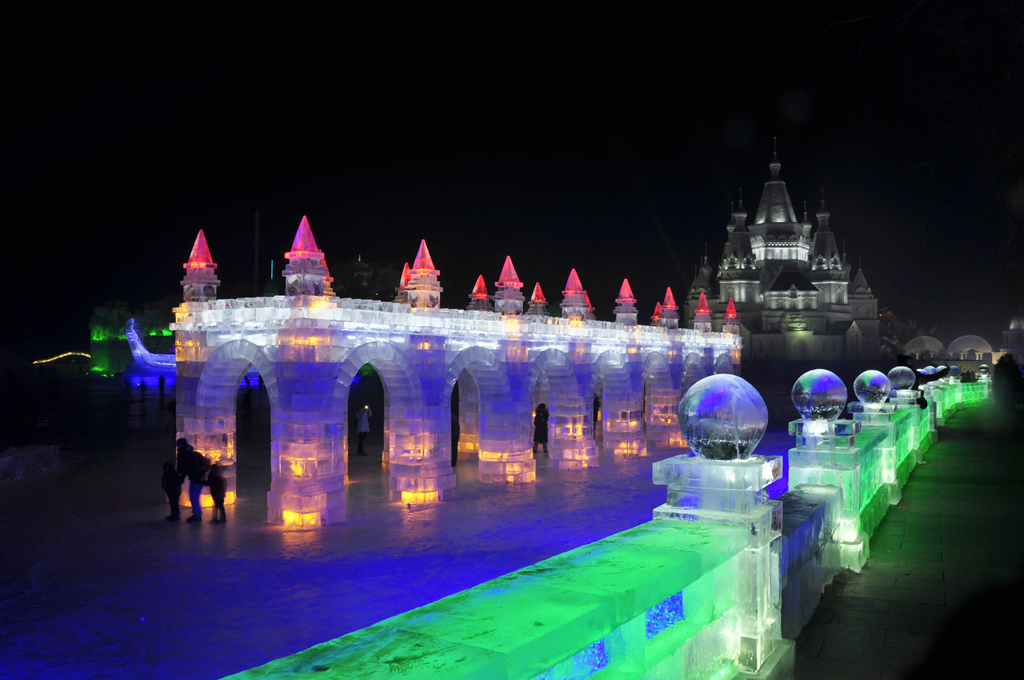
(198,315)
(658,599)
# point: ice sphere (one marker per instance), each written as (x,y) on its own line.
(983,369)
(872,387)
(722,417)
(954,371)
(902,378)
(819,395)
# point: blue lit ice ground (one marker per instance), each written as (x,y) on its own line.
(94,583)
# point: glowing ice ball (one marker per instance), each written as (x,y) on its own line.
(954,371)
(902,378)
(819,395)
(983,369)
(723,417)
(872,387)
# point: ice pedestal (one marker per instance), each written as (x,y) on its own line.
(881,416)
(837,453)
(733,492)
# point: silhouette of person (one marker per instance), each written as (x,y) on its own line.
(218,490)
(540,428)
(171,484)
(362,427)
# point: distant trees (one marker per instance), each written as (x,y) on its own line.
(894,332)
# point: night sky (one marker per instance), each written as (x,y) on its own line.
(612,144)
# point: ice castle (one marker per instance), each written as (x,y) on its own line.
(308,346)
(791,291)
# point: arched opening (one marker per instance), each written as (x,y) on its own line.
(492,419)
(367,411)
(238,381)
(570,438)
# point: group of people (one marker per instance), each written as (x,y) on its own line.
(196,467)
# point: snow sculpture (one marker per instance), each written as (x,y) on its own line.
(723,418)
(309,345)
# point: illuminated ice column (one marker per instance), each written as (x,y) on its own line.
(570,437)
(663,390)
(421,437)
(506,442)
(702,316)
(731,327)
(307,447)
(622,407)
(723,418)
(872,389)
(902,379)
(826,454)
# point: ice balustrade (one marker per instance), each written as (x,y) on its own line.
(717,585)
(308,347)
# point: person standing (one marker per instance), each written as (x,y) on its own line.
(363,427)
(540,428)
(189,466)
(171,484)
(218,490)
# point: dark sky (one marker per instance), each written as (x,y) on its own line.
(613,145)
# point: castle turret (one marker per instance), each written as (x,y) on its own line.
(702,317)
(538,303)
(669,317)
(656,316)
(401,295)
(508,299)
(423,289)
(305,273)
(200,282)
(731,323)
(574,299)
(478,299)
(625,308)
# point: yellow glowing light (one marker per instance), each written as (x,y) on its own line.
(419,497)
(300,519)
(61,356)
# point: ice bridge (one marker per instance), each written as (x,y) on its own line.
(308,346)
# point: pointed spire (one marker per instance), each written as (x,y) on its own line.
(573,285)
(404,281)
(670,300)
(657,314)
(200,255)
(401,295)
(538,303)
(730,310)
(200,282)
(480,289)
(423,260)
(538,294)
(303,241)
(702,305)
(509,278)
(669,316)
(775,166)
(625,292)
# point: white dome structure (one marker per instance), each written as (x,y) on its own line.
(925,347)
(970,347)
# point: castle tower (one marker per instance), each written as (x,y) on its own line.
(827,273)
(200,282)
(656,316)
(423,289)
(574,299)
(702,317)
(625,308)
(401,295)
(538,303)
(669,317)
(305,273)
(479,299)
(508,299)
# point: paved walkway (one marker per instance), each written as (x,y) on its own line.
(940,595)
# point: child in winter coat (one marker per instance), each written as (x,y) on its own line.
(218,490)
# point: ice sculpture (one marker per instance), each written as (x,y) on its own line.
(902,378)
(723,417)
(702,315)
(872,387)
(669,317)
(954,373)
(819,395)
(309,345)
(625,307)
(479,299)
(983,372)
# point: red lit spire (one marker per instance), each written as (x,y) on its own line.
(480,289)
(702,305)
(730,310)
(657,313)
(573,285)
(423,260)
(670,300)
(509,278)
(304,243)
(625,292)
(200,256)
(538,294)
(404,281)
